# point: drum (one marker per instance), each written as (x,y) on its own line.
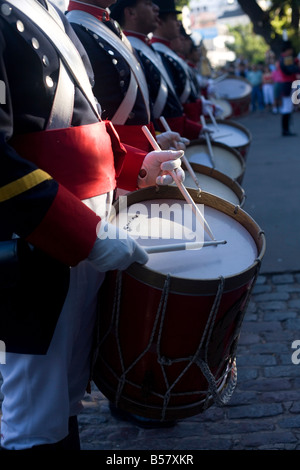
(237,91)
(226,160)
(224,105)
(168,331)
(233,134)
(216,183)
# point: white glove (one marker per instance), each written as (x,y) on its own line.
(205,130)
(218,111)
(154,166)
(171,140)
(207,106)
(115,249)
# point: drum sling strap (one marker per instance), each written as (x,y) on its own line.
(158,46)
(137,79)
(162,95)
(165,82)
(65,48)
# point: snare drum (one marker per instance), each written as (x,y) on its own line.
(168,330)
(227,160)
(233,134)
(216,183)
(224,105)
(237,91)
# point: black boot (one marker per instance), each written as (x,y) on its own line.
(285,124)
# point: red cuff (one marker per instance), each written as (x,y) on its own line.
(193,110)
(68,231)
(185,127)
(131,168)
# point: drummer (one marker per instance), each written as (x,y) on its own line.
(168,29)
(116,68)
(55,198)
(162,94)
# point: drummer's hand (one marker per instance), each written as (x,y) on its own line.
(154,166)
(115,249)
(206,130)
(218,111)
(171,140)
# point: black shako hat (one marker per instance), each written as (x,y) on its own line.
(116,10)
(166,6)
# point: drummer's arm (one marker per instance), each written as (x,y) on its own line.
(132,164)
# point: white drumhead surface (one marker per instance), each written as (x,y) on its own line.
(237,255)
(228,135)
(225,105)
(225,161)
(232,88)
(212,186)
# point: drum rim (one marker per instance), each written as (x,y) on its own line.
(217,100)
(185,286)
(242,79)
(222,178)
(238,125)
(231,150)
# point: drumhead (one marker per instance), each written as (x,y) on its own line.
(230,133)
(227,160)
(237,258)
(224,104)
(216,183)
(233,88)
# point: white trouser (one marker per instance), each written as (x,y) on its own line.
(41,392)
(287,106)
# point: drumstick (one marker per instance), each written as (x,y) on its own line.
(182,246)
(208,142)
(213,120)
(180,186)
(185,160)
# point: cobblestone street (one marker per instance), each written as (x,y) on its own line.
(264,412)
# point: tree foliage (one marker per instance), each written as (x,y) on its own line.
(247,44)
(270,24)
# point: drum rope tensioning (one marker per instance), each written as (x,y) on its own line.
(167,339)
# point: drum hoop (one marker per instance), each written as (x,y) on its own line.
(222,178)
(185,286)
(237,125)
(229,149)
(241,79)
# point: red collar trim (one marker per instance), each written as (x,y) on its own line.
(100,13)
(140,36)
(163,41)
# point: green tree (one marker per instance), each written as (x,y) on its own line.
(247,44)
(270,23)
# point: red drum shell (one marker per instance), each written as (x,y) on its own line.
(148,356)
